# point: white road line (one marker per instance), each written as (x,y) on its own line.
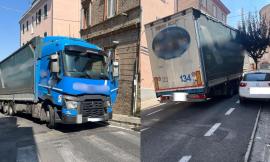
(27,153)
(185,158)
(154,112)
(144,129)
(108,148)
(229,111)
(113,126)
(151,107)
(237,102)
(211,131)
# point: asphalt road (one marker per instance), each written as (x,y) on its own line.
(23,139)
(216,131)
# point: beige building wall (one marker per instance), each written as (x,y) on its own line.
(36,29)
(151,10)
(63,19)
(66,14)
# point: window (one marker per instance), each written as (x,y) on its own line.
(27,25)
(223,17)
(111,8)
(204,3)
(23,28)
(257,77)
(32,25)
(39,16)
(36,18)
(45,11)
(45,34)
(86,17)
(214,11)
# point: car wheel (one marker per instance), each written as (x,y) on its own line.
(51,117)
(241,100)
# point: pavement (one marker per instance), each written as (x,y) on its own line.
(148,99)
(261,145)
(24,139)
(217,130)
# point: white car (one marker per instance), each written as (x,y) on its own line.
(255,85)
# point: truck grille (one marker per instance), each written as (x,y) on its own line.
(92,108)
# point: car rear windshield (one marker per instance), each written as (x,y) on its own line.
(257,77)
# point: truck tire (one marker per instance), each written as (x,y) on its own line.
(10,110)
(5,108)
(51,117)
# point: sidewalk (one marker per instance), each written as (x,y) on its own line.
(148,98)
(261,145)
(125,121)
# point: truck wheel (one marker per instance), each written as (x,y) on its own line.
(5,108)
(10,110)
(51,117)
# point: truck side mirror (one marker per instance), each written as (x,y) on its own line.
(55,68)
(115,69)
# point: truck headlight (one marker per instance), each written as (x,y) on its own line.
(108,103)
(71,104)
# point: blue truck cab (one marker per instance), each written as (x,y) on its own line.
(74,82)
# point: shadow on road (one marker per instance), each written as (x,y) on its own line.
(16,143)
(66,128)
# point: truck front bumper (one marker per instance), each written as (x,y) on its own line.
(78,119)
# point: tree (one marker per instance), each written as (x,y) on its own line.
(254,34)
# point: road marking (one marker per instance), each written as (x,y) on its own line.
(106,147)
(211,131)
(144,129)
(154,112)
(160,104)
(67,151)
(229,111)
(127,137)
(237,102)
(251,141)
(185,158)
(113,126)
(27,153)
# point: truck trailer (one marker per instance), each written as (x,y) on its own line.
(194,57)
(59,80)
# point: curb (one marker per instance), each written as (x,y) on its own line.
(125,121)
(251,141)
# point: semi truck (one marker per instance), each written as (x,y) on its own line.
(194,57)
(59,80)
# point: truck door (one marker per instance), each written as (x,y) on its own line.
(113,74)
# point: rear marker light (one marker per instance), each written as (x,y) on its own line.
(243,84)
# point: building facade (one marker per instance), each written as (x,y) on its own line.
(151,10)
(50,18)
(265,60)
(115,26)
(214,8)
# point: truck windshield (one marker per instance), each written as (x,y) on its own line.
(85,65)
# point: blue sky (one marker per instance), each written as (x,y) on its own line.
(235,6)
(12,10)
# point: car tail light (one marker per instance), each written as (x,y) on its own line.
(243,84)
